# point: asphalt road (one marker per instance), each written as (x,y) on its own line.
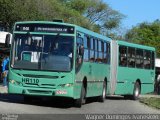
(14,104)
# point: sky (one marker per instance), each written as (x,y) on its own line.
(136,11)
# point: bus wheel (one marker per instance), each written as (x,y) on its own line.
(136,91)
(82,100)
(103,96)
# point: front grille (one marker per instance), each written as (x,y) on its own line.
(40,76)
(39,92)
(52,86)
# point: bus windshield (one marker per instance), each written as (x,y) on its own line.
(42,52)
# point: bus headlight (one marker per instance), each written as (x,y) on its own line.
(15,82)
(12,81)
(66,85)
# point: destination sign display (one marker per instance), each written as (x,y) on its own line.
(49,28)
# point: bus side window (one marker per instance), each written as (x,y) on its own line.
(108,53)
(86,49)
(131,57)
(139,58)
(123,56)
(80,50)
(105,52)
(100,53)
(96,49)
(92,55)
(147,59)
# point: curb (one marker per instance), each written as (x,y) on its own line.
(149,96)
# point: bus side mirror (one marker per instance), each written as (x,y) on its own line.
(7,40)
(81,50)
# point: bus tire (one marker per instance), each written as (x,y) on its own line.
(136,91)
(82,100)
(103,96)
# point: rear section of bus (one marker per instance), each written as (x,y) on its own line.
(133,68)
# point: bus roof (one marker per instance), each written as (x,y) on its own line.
(43,22)
(135,45)
(89,32)
(78,28)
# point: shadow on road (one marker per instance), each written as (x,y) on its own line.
(38,101)
(50,101)
(115,97)
(11,98)
(43,101)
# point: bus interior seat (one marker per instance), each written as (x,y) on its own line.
(26,55)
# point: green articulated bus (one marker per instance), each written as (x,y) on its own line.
(65,60)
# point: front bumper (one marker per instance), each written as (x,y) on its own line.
(38,91)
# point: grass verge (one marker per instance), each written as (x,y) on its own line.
(153,102)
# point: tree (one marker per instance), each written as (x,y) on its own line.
(24,10)
(99,14)
(146,34)
(5,12)
(91,14)
(18,10)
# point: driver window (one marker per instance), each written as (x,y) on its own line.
(79,53)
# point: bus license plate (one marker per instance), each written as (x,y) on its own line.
(30,80)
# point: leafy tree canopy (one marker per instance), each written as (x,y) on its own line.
(102,17)
(146,34)
(92,14)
